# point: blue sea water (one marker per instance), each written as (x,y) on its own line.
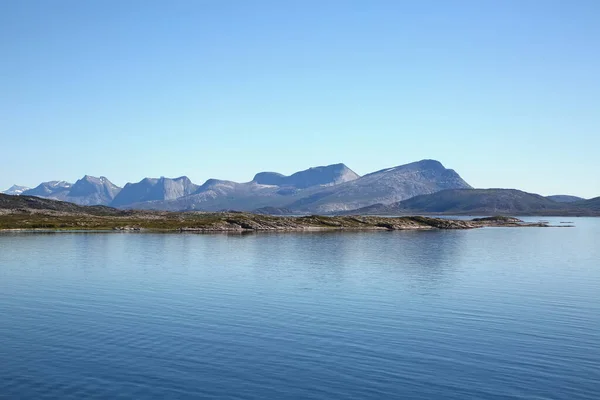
(495,313)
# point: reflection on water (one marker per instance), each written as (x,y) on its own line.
(492,313)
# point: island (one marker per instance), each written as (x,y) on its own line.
(34,213)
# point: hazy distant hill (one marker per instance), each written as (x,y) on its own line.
(563,198)
(151,189)
(479,201)
(591,204)
(23,202)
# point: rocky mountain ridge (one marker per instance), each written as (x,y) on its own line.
(319,190)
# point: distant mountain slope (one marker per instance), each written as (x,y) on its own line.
(492,200)
(88,190)
(9,202)
(15,190)
(317,176)
(54,189)
(217,195)
(591,204)
(273,211)
(563,198)
(475,201)
(386,186)
(151,189)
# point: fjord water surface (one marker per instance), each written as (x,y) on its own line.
(496,313)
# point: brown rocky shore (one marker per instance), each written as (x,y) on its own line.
(110,219)
(251,222)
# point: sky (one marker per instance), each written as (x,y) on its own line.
(507,93)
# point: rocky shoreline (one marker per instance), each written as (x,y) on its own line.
(249,222)
(135,221)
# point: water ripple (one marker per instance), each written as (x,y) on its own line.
(486,314)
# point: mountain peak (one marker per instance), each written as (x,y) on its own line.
(51,189)
(315,176)
(385,186)
(152,189)
(58,184)
(268,178)
(92,190)
(429,164)
(213,181)
(92,179)
(183,178)
(15,190)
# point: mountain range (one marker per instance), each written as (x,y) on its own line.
(320,190)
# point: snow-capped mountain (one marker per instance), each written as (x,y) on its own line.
(15,190)
(86,191)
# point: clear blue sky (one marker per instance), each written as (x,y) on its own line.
(505,92)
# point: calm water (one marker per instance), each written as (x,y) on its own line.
(495,313)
